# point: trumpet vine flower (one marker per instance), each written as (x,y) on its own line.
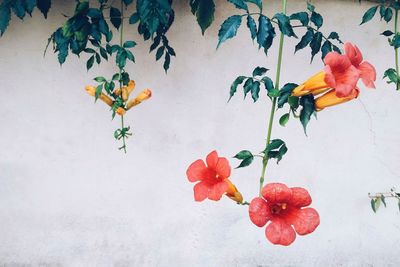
(283,208)
(339,78)
(212,179)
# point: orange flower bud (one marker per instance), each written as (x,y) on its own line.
(131,86)
(91,90)
(144,95)
(233,193)
(314,85)
(117,91)
(125,94)
(120,111)
(330,99)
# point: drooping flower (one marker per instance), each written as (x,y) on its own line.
(212,179)
(331,99)
(340,76)
(144,95)
(91,90)
(284,209)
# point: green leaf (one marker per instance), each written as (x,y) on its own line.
(383,200)
(100,79)
(44,6)
(392,75)
(247,86)
(369,14)
(5,16)
(284,119)
(310,7)
(251,24)
(373,205)
(204,10)
(19,8)
(302,17)
(382,10)
(134,18)
(326,48)
(308,104)
(89,63)
(396,41)
(29,6)
(259,71)
(129,44)
(240,4)
(167,61)
(284,24)
(388,15)
(334,36)
(293,102)
(234,86)
(387,33)
(255,90)
(99,89)
(317,19)
(285,92)
(160,52)
(244,154)
(266,33)
(315,44)
(229,28)
(127,2)
(268,83)
(305,40)
(115,17)
(274,144)
(246,157)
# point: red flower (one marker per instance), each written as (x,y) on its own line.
(283,206)
(213,178)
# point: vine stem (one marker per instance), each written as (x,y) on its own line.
(396,16)
(273,107)
(121,36)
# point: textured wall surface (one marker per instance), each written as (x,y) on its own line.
(68,197)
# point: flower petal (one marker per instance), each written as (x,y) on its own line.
(368,74)
(223,168)
(277,193)
(212,159)
(259,212)
(346,81)
(304,221)
(300,197)
(278,232)
(337,62)
(217,190)
(353,53)
(197,171)
(200,191)
(330,99)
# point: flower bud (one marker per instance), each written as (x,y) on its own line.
(233,193)
(144,95)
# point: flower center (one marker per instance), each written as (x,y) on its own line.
(278,208)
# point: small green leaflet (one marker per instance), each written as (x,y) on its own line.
(276,149)
(369,14)
(229,28)
(204,11)
(308,104)
(251,24)
(246,157)
(284,119)
(234,86)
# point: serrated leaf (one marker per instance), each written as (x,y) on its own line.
(274,144)
(251,24)
(19,8)
(247,86)
(265,33)
(369,14)
(285,92)
(204,10)
(302,17)
(315,44)
(234,86)
(268,83)
(229,28)
(284,24)
(317,19)
(259,71)
(240,4)
(284,119)
(246,162)
(305,40)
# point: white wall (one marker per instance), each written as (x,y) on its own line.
(68,197)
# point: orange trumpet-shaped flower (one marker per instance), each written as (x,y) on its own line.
(125,90)
(331,99)
(341,73)
(91,90)
(144,95)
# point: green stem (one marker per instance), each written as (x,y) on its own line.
(273,107)
(396,49)
(121,36)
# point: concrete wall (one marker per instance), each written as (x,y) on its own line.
(68,197)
